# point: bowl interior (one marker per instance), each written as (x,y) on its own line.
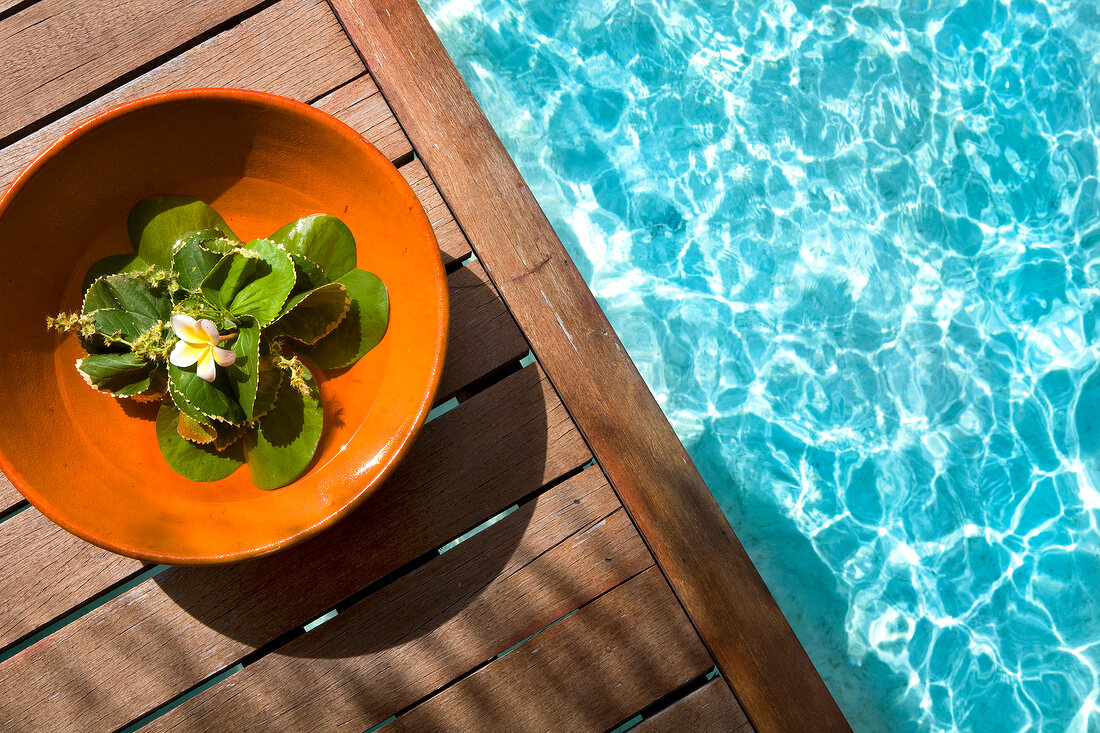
(91,462)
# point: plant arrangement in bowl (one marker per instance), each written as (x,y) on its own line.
(247,288)
(221,331)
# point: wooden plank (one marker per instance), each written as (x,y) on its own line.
(295,48)
(6,5)
(9,497)
(54,52)
(587,673)
(440,621)
(452,242)
(711,708)
(637,448)
(167,634)
(46,572)
(360,106)
(483,335)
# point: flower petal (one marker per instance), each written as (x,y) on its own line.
(184,354)
(184,327)
(206,370)
(225,357)
(209,330)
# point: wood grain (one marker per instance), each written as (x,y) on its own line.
(587,673)
(711,708)
(483,335)
(295,48)
(360,106)
(160,638)
(8,4)
(45,572)
(436,623)
(452,242)
(9,497)
(637,448)
(54,52)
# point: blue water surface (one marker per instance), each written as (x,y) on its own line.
(855,251)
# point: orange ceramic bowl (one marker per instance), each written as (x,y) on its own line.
(90,462)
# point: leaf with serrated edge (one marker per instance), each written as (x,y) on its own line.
(263,297)
(307,274)
(228,435)
(244,373)
(227,278)
(204,401)
(311,316)
(196,462)
(362,328)
(121,326)
(192,262)
(116,372)
(157,224)
(126,292)
(287,437)
(112,265)
(323,239)
(194,431)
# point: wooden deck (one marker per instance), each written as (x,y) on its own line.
(609,591)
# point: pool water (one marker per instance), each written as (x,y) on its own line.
(855,251)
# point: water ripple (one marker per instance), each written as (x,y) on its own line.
(855,252)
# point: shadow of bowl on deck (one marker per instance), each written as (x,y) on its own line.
(464,468)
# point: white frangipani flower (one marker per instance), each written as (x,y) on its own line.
(199,344)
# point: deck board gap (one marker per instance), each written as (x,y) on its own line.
(314,100)
(486,381)
(663,702)
(403,159)
(134,73)
(15,9)
(105,596)
(180,699)
(322,619)
(456,265)
(623,727)
(523,641)
(383,724)
(478,667)
(281,641)
(450,544)
(14,509)
(478,529)
(441,408)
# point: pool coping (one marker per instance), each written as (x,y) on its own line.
(631,439)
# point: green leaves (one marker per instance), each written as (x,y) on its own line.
(204,401)
(196,462)
(130,294)
(191,290)
(254,281)
(311,316)
(192,262)
(362,328)
(263,297)
(286,438)
(158,224)
(255,375)
(124,375)
(112,265)
(323,240)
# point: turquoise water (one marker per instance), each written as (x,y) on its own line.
(855,252)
